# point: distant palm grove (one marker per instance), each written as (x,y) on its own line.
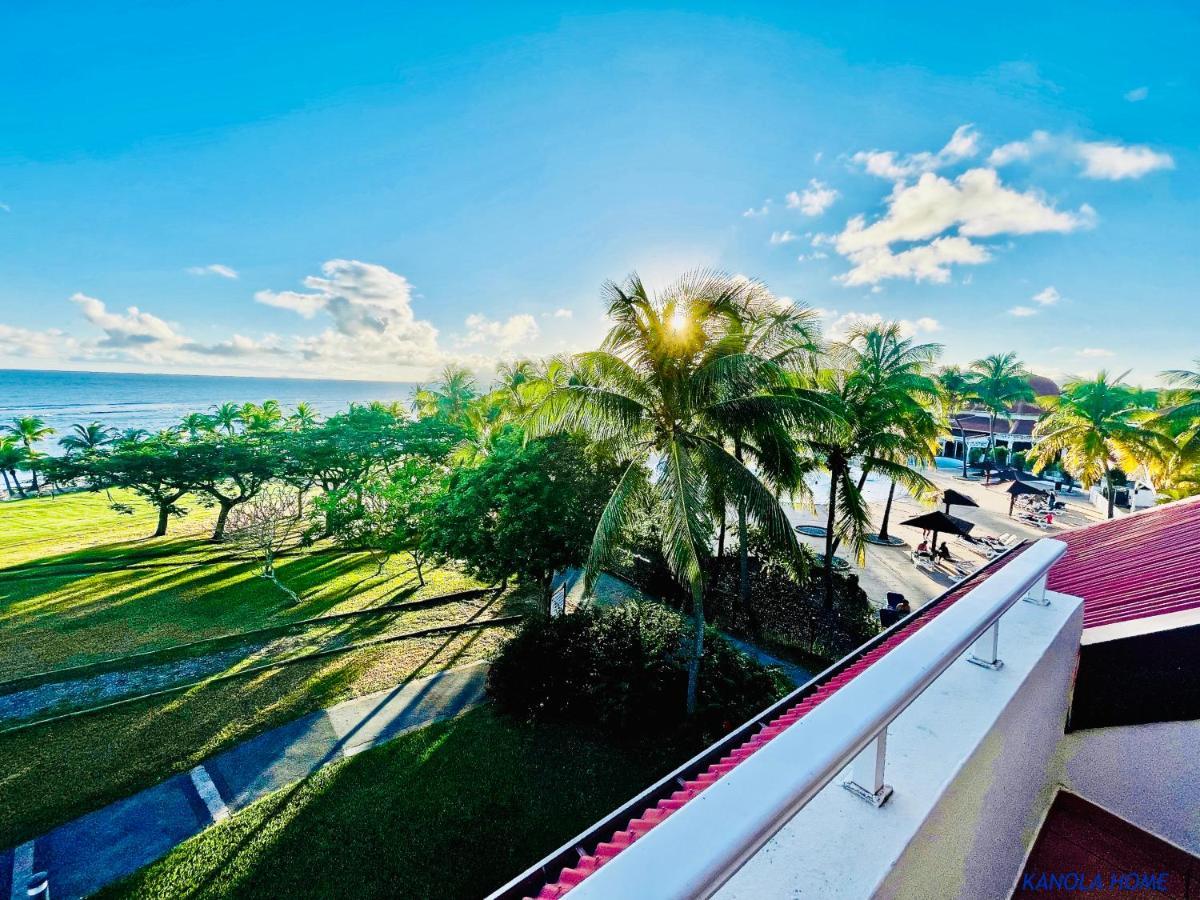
(669,446)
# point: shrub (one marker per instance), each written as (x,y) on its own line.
(1018,461)
(790,613)
(622,670)
(975,456)
(1000,454)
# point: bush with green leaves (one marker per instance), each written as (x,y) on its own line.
(621,670)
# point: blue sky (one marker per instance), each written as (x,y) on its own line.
(271,188)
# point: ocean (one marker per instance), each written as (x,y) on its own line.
(153,402)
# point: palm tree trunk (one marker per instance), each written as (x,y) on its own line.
(721,536)
(887,512)
(693,674)
(743,541)
(1112,495)
(8,488)
(827,572)
(17,481)
(962,434)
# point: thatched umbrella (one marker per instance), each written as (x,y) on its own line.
(939,523)
(952,497)
(1016,489)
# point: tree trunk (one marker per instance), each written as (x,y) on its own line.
(962,433)
(887,512)
(33,475)
(1112,495)
(743,541)
(721,537)
(693,675)
(218,534)
(8,489)
(164,510)
(420,575)
(17,481)
(827,573)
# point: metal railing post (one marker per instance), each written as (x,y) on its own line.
(986,651)
(867,773)
(1037,594)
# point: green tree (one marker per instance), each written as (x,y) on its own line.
(196,425)
(998,381)
(303,416)
(448,397)
(389,515)
(956,392)
(229,471)
(152,469)
(12,457)
(1177,474)
(29,430)
(676,371)
(227,417)
(86,438)
(1095,426)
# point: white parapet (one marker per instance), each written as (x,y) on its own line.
(967,754)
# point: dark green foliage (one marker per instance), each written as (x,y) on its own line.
(621,670)
(1018,461)
(527,510)
(790,612)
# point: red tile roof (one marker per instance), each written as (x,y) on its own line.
(1135,567)
(654,815)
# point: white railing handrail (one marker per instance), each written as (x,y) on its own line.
(700,847)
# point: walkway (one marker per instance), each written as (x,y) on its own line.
(97,849)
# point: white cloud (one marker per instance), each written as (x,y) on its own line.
(133,330)
(1022,311)
(974,205)
(1111,161)
(782,237)
(1020,151)
(754,213)
(1137,94)
(963,144)
(20,343)
(515,331)
(814,199)
(1047,296)
(1094,352)
(563,313)
(372,317)
(839,325)
(1106,160)
(4,207)
(213,269)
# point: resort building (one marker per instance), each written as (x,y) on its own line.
(1014,431)
(1032,731)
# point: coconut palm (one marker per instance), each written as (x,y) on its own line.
(227,416)
(86,438)
(1096,425)
(132,436)
(261,418)
(448,397)
(1178,417)
(196,425)
(998,381)
(867,386)
(303,416)
(12,457)
(956,392)
(29,430)
(675,370)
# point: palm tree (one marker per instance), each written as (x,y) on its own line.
(1178,474)
(304,416)
(866,431)
(195,425)
(261,418)
(12,457)
(675,369)
(28,430)
(956,393)
(132,436)
(1096,425)
(227,416)
(448,397)
(86,438)
(998,381)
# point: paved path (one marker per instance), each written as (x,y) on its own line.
(85,855)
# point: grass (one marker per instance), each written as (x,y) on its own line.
(53,773)
(452,810)
(76,587)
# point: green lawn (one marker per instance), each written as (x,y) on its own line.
(453,810)
(76,587)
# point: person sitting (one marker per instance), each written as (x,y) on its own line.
(923,548)
(943,553)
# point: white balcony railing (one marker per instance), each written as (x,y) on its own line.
(700,847)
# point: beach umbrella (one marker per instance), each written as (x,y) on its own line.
(1016,489)
(939,523)
(952,497)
